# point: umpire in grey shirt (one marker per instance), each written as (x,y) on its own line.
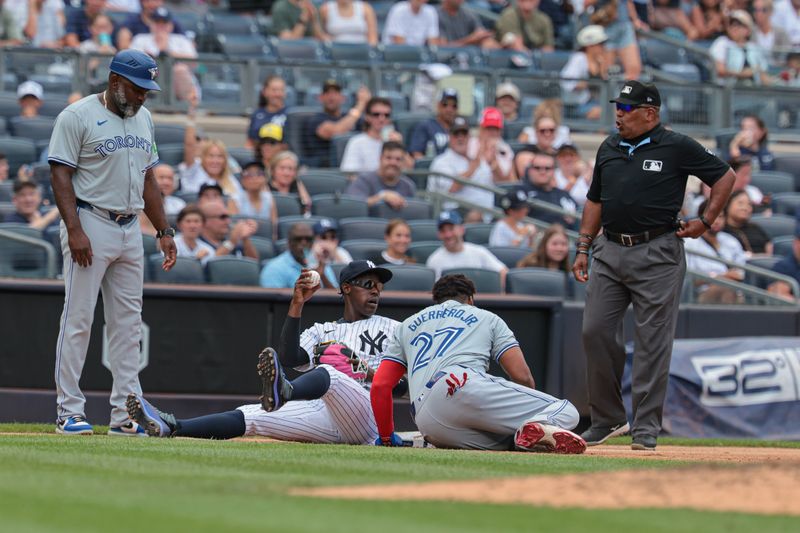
(637,190)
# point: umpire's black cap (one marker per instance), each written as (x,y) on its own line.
(358,268)
(637,93)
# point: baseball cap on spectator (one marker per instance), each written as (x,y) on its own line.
(591,35)
(324,225)
(206,186)
(449,93)
(742,17)
(270,131)
(507,89)
(637,93)
(449,217)
(361,267)
(459,124)
(253,163)
(514,200)
(161,14)
(331,84)
(30,88)
(567,148)
(492,118)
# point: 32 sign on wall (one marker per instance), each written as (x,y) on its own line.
(750,377)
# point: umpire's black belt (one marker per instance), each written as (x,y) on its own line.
(632,239)
(123,219)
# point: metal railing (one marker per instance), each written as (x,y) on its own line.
(231,86)
(50,268)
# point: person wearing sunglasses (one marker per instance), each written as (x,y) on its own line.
(429,138)
(637,191)
(363,151)
(329,403)
(540,184)
(224,239)
(282,271)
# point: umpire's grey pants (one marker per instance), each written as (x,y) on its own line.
(650,276)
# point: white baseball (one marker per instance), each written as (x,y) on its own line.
(315,279)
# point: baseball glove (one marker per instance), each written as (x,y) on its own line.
(341,358)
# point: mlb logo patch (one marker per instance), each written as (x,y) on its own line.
(627,89)
(652,166)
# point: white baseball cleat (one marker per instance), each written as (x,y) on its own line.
(539,437)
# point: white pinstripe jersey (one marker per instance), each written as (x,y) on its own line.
(444,335)
(367,338)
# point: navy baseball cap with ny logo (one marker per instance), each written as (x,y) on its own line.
(637,93)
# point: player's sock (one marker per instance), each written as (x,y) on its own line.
(311,385)
(217,426)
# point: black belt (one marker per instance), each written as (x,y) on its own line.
(123,219)
(632,239)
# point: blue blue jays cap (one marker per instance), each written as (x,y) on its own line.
(137,67)
(514,199)
(325,224)
(359,268)
(449,217)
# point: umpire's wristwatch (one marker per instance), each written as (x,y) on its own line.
(166,232)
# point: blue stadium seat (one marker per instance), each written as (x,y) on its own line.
(786,203)
(338,145)
(421,250)
(403,54)
(510,255)
(284,223)
(185,270)
(554,61)
(299,50)
(477,233)
(171,154)
(773,181)
(423,230)
(353,54)
(363,248)
(324,182)
(361,228)
(287,204)
(34,128)
(776,225)
(169,134)
(537,282)
(233,271)
(19,152)
(790,164)
(410,278)
(484,280)
(415,209)
(338,206)
(245,46)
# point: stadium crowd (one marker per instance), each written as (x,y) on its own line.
(349,191)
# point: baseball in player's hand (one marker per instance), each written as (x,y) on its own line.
(170,252)
(80,247)
(306,285)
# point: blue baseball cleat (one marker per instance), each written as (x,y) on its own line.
(276,389)
(128,429)
(154,422)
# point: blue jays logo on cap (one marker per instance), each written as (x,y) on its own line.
(153,72)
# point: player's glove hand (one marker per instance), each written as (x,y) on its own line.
(393,440)
(342,359)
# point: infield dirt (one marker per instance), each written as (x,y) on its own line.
(744,480)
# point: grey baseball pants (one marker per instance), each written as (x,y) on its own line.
(650,276)
(117,269)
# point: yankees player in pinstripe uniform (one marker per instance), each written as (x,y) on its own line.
(101,157)
(328,403)
(445,348)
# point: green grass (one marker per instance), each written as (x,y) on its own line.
(101,483)
(746,443)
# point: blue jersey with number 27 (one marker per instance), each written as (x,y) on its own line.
(446,335)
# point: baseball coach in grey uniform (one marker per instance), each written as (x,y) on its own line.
(636,193)
(101,157)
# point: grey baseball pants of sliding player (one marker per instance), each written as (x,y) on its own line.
(649,275)
(116,270)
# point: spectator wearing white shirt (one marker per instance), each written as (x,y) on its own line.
(546,140)
(455,253)
(735,57)
(573,174)
(190,223)
(326,247)
(412,22)
(162,39)
(165,178)
(455,162)
(589,61)
(787,17)
(715,242)
(489,145)
(44,23)
(511,230)
(363,151)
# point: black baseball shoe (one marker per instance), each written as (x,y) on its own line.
(276,390)
(643,443)
(599,434)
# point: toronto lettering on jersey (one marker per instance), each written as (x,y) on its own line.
(118,143)
(469,319)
